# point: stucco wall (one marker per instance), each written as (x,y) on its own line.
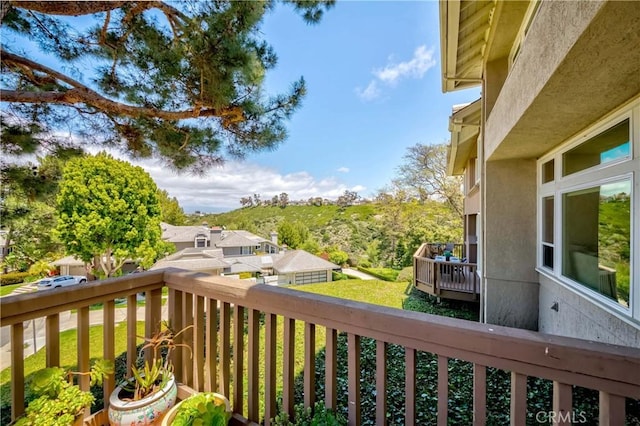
(578,62)
(511,281)
(511,303)
(579,317)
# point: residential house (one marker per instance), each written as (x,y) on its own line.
(233,243)
(232,253)
(5,248)
(551,160)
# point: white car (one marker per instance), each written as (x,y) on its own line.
(61,281)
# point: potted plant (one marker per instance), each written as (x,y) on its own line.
(151,391)
(205,408)
(58,401)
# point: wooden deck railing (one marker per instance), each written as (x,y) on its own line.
(430,249)
(227,347)
(457,280)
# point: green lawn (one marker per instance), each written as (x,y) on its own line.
(7,289)
(383,293)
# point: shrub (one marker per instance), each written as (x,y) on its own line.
(318,416)
(337,276)
(38,270)
(384,274)
(13,278)
(421,302)
(338,257)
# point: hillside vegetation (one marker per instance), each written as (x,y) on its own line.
(372,234)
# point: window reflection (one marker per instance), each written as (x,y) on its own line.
(609,145)
(597,239)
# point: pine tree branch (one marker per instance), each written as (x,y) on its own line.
(67,8)
(81,94)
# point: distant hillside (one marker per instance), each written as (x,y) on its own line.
(373,233)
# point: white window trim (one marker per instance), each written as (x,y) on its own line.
(623,169)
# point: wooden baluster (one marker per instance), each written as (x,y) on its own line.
(309,382)
(562,403)
(187,338)
(53,340)
(238,359)
(410,386)
(198,344)
(17,370)
(254,365)
(271,328)
(479,394)
(176,316)
(288,365)
(83,351)
(211,339)
(225,349)
(132,332)
(443,390)
(381,382)
(353,365)
(518,398)
(109,345)
(612,409)
(152,316)
(331,368)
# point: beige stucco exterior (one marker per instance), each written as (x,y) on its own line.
(548,71)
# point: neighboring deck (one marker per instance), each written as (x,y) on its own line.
(450,280)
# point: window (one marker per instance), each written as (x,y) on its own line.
(548,171)
(522,32)
(588,237)
(547,232)
(610,145)
(597,239)
(201,240)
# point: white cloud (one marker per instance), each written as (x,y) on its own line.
(370,93)
(223,187)
(422,60)
(416,67)
(343,170)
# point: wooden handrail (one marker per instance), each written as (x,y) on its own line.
(27,306)
(491,345)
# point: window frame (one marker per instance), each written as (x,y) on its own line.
(619,170)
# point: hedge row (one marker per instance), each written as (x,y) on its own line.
(383,274)
(13,278)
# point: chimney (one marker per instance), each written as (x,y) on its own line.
(215,233)
(274,237)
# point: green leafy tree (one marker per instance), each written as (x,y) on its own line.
(180,80)
(338,257)
(292,234)
(109,212)
(27,201)
(170,210)
(311,246)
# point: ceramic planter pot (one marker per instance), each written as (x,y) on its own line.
(168,419)
(145,411)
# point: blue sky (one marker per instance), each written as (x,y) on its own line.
(373,78)
(372,70)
